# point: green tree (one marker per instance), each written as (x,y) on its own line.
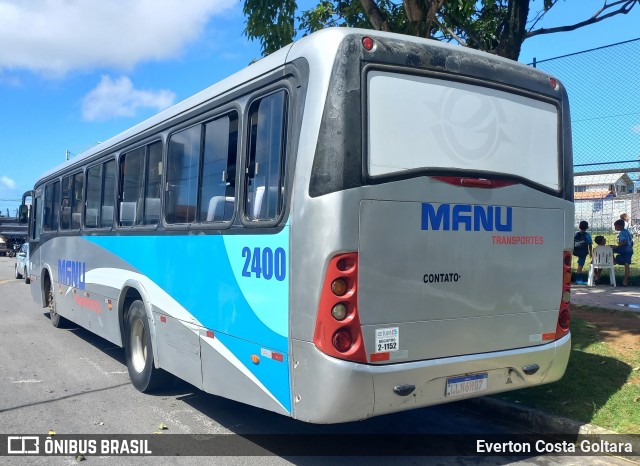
(496,26)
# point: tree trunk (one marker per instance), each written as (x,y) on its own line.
(513,30)
(421,15)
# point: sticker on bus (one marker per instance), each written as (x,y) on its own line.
(387,339)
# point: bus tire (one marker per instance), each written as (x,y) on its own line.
(56,319)
(138,350)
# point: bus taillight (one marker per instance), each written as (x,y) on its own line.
(342,340)
(339,287)
(339,311)
(562,328)
(338,332)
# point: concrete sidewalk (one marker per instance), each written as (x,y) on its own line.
(625,298)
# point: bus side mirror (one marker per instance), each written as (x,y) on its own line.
(23,214)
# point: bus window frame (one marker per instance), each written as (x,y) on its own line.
(86,195)
(237,106)
(287,151)
(120,156)
(54,206)
(36,213)
(104,162)
(101,163)
(193,125)
(72,174)
(238,169)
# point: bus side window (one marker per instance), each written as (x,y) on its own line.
(100,192)
(94,192)
(51,207)
(35,228)
(108,193)
(217,191)
(152,185)
(76,201)
(55,206)
(265,171)
(131,187)
(65,206)
(183,161)
(39,216)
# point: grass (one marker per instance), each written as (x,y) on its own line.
(634,277)
(601,385)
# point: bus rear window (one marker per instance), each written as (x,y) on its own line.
(417,122)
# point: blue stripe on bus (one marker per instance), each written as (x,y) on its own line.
(204,274)
(242,298)
(272,373)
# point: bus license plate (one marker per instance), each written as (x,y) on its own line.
(467,384)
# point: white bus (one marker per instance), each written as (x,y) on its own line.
(358,224)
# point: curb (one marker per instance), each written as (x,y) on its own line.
(540,422)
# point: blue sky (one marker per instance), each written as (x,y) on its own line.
(74,72)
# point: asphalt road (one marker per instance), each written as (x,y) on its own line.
(71,382)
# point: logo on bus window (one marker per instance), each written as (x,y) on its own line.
(466,217)
(72,273)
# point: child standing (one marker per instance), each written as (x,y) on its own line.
(624,249)
(582,247)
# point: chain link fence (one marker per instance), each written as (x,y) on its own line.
(604,93)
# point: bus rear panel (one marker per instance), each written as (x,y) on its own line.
(445,259)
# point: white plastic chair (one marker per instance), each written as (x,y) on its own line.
(602,259)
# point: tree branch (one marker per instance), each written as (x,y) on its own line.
(375,16)
(541,14)
(450,31)
(627,5)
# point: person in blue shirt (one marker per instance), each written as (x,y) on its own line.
(582,247)
(624,249)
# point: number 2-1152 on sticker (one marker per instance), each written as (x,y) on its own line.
(387,339)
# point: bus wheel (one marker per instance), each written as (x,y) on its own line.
(56,319)
(139,353)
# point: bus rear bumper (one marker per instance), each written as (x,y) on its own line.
(329,390)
